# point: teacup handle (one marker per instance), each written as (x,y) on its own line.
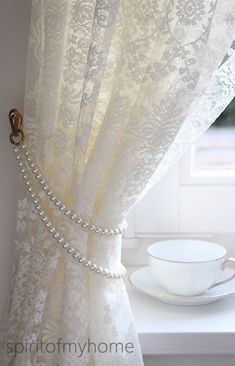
(228,260)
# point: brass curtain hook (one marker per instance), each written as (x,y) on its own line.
(16,121)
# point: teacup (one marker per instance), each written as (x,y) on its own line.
(188,267)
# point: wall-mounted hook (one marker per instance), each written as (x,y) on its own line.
(16,121)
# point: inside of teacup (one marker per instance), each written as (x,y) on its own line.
(186,250)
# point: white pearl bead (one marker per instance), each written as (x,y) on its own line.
(79,221)
(84,225)
(38,176)
(52,230)
(104,272)
(26,153)
(65,245)
(23,171)
(57,203)
(73,216)
(93,266)
(70,250)
(45,188)
(48,224)
(87,263)
(67,212)
(53,198)
(18,157)
(76,255)
(38,207)
(20,163)
(62,208)
(23,146)
(82,260)
(49,193)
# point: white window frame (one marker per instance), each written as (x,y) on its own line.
(203,177)
(185,203)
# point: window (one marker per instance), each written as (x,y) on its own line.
(196,197)
(215,150)
(211,161)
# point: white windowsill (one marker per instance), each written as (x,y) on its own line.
(170,330)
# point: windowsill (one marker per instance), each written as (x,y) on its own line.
(169,330)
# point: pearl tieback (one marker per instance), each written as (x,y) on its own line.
(70,214)
(25,163)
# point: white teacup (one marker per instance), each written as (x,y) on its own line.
(187,267)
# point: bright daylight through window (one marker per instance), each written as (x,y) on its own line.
(215,150)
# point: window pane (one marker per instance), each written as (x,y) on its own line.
(215,150)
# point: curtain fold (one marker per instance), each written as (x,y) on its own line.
(116,90)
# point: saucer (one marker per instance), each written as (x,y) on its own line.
(144,281)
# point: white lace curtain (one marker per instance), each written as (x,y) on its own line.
(116,90)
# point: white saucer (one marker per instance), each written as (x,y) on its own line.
(143,280)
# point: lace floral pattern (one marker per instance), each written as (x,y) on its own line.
(115,92)
(190,11)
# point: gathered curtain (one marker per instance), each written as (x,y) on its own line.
(116,90)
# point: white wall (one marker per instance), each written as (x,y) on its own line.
(14,25)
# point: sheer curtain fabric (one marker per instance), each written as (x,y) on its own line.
(116,90)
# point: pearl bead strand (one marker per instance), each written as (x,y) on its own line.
(58,237)
(67,212)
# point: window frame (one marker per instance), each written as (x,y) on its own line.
(208,177)
(184,204)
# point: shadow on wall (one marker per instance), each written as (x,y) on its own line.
(14,27)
